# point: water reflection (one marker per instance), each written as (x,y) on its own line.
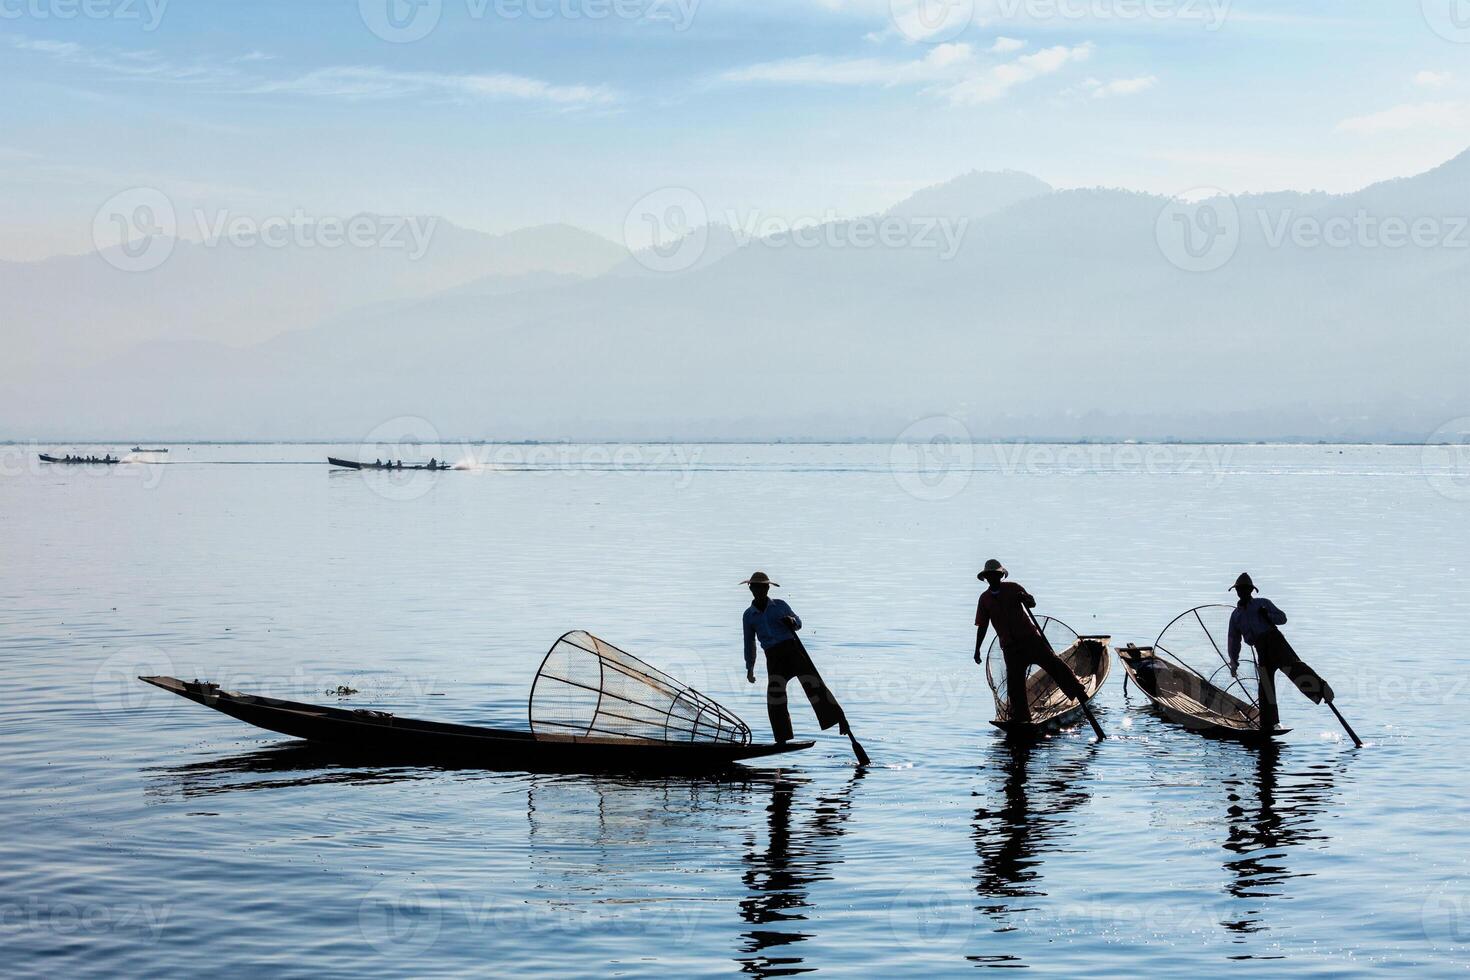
(292,764)
(1042,785)
(1267,816)
(778,878)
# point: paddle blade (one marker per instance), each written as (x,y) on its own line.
(1346,727)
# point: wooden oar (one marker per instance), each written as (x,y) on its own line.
(1346,727)
(1086,708)
(857,748)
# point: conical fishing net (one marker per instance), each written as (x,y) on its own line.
(1197,640)
(589,689)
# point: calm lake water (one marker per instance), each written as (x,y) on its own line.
(146,834)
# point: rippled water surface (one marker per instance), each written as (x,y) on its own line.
(146,834)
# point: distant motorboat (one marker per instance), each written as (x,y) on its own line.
(80,460)
(354,465)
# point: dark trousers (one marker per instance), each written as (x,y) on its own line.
(1273,653)
(787,661)
(1039,654)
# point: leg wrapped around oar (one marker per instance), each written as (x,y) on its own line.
(789,661)
(1274,653)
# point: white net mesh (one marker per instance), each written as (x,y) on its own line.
(1196,640)
(589,689)
(1087,658)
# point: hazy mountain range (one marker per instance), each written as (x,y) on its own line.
(1056,314)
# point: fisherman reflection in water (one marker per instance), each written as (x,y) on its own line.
(1007,606)
(1256,621)
(774,624)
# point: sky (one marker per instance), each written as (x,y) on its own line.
(502,114)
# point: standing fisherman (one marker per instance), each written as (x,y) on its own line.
(1008,606)
(1256,621)
(774,623)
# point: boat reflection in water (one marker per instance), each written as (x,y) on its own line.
(1268,815)
(291,764)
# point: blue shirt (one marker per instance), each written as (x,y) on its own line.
(767,626)
(1251,621)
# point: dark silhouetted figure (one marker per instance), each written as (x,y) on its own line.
(774,624)
(1007,606)
(1256,621)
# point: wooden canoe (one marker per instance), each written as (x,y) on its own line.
(1181,695)
(383,735)
(1051,710)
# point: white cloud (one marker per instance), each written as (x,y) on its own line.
(348,82)
(953,71)
(941,62)
(377,83)
(1434,79)
(996,82)
(1410,116)
(1119,86)
(1006,45)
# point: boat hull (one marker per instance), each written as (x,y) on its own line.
(354,465)
(1091,662)
(388,736)
(77,462)
(1184,698)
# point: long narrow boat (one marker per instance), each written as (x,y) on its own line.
(1180,694)
(1051,710)
(354,465)
(1187,677)
(593,708)
(381,734)
(140,449)
(107,461)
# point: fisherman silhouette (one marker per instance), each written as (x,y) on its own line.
(775,625)
(1008,606)
(1256,621)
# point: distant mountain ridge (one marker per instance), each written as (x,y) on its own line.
(1062,314)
